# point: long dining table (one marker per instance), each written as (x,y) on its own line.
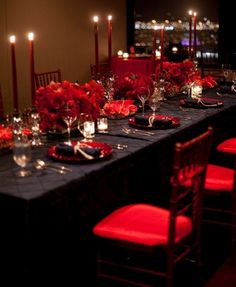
(47,218)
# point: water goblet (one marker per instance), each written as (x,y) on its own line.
(154,103)
(69,116)
(35,120)
(22,154)
(143,95)
(86,126)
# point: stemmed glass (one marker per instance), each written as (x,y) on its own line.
(154,101)
(69,116)
(86,126)
(22,154)
(35,121)
(143,95)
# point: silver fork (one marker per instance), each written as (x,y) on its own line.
(119,146)
(134,131)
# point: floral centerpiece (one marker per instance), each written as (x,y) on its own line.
(6,136)
(178,77)
(128,86)
(50,101)
(119,109)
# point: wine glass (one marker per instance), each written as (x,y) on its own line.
(22,154)
(86,126)
(154,101)
(143,95)
(35,120)
(69,115)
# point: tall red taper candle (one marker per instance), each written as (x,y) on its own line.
(154,47)
(194,34)
(95,19)
(109,18)
(190,34)
(14,73)
(31,55)
(162,47)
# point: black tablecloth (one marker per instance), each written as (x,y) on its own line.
(46,219)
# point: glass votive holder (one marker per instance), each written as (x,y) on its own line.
(89,129)
(102,125)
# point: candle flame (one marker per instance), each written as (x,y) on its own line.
(12,39)
(194,14)
(31,36)
(109,17)
(155,27)
(190,12)
(95,19)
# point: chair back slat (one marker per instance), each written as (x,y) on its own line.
(45,78)
(189,170)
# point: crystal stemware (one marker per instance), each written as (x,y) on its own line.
(154,103)
(69,116)
(22,154)
(35,121)
(143,95)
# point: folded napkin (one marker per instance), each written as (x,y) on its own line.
(152,121)
(67,150)
(200,103)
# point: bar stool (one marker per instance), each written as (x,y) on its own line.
(222,181)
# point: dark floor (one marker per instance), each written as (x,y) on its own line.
(225,276)
(217,270)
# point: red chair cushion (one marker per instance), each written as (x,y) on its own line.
(219,178)
(143,224)
(228,146)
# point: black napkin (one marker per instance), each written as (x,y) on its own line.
(66,150)
(200,103)
(154,121)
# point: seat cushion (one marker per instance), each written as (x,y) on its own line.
(143,224)
(228,146)
(219,178)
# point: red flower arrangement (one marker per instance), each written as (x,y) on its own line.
(178,76)
(128,86)
(119,109)
(6,136)
(50,100)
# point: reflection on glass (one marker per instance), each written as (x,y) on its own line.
(22,154)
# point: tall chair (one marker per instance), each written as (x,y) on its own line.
(220,188)
(140,244)
(43,79)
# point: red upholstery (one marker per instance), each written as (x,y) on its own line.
(143,224)
(219,178)
(228,146)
